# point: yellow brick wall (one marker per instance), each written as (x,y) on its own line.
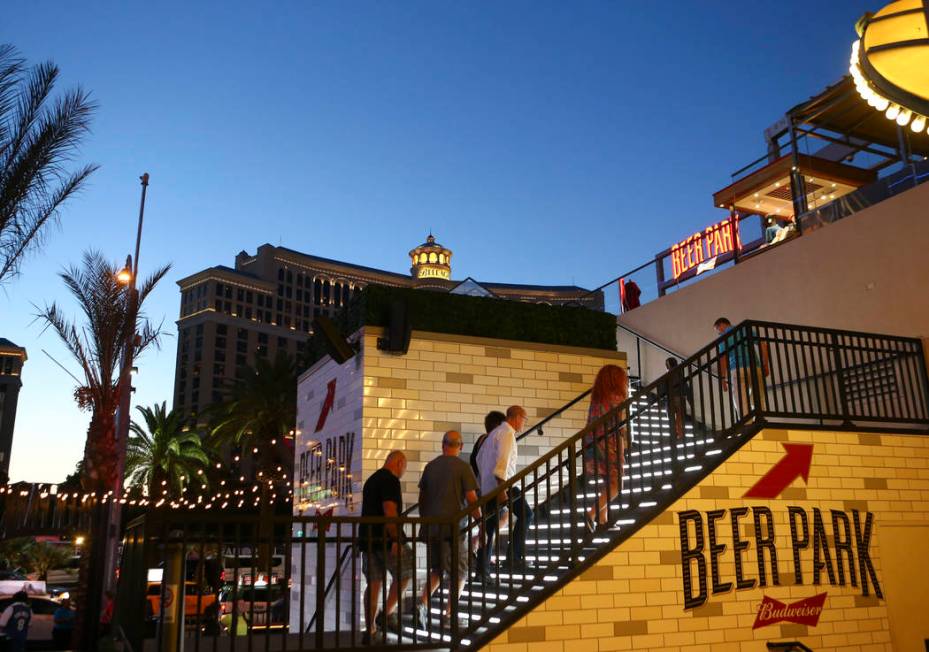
(450,382)
(632,599)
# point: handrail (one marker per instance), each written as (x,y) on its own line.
(649,340)
(539,426)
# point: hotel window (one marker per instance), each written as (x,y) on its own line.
(219,369)
(240,361)
(290,276)
(227,308)
(280,274)
(267,316)
(248,313)
(289,292)
(219,289)
(217,396)
(300,280)
(218,305)
(282,342)
(299,295)
(238,309)
(242,334)
(228,293)
(220,343)
(317,291)
(280,290)
(262,338)
(287,322)
(248,297)
(260,301)
(326,288)
(280,304)
(279,319)
(219,356)
(241,347)
(221,329)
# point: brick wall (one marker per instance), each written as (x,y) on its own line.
(450,382)
(634,597)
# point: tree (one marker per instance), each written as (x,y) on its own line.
(261,414)
(165,453)
(42,557)
(38,137)
(97,346)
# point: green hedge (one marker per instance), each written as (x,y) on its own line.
(440,312)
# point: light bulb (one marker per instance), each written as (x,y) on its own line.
(892,112)
(903,118)
(918,124)
(881,103)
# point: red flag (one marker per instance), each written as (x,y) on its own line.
(804,612)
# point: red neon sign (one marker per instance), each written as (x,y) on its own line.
(715,240)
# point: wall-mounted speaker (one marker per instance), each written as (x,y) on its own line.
(398,330)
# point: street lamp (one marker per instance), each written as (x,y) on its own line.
(105,542)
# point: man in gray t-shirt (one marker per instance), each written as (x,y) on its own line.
(447,486)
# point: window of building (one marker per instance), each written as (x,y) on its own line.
(220,343)
(280,290)
(242,334)
(199,330)
(248,296)
(219,289)
(289,292)
(239,361)
(300,280)
(238,309)
(241,347)
(280,274)
(290,276)
(268,316)
(227,308)
(317,291)
(228,292)
(219,355)
(262,338)
(248,313)
(240,294)
(221,329)
(282,342)
(326,289)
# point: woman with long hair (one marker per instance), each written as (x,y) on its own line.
(604,445)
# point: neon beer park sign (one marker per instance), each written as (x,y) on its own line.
(701,251)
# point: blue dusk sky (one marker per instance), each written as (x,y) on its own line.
(542,142)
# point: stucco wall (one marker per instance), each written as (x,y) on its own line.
(867,272)
(634,597)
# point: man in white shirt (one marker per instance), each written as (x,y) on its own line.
(496,462)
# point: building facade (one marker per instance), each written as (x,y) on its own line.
(12,358)
(229,317)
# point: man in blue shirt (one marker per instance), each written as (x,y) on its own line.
(14,621)
(63,625)
(736,355)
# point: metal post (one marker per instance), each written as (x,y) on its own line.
(320,582)
(840,379)
(572,492)
(172,599)
(797,185)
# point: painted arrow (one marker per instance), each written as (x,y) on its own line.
(796,463)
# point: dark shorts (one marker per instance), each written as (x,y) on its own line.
(375,564)
(440,557)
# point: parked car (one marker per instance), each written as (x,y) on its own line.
(265,604)
(194,597)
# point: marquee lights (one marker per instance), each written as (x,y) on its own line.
(896,41)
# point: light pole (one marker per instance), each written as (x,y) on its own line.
(128,276)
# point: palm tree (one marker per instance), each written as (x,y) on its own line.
(98,346)
(37,139)
(260,414)
(165,454)
(43,557)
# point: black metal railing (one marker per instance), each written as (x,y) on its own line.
(584,500)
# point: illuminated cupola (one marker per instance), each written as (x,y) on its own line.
(431,260)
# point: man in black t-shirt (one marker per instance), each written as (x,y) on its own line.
(381,543)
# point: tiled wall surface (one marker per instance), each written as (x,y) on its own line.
(450,382)
(633,599)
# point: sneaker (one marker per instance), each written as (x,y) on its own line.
(421,616)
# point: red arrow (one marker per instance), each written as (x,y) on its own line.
(795,463)
(327,405)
